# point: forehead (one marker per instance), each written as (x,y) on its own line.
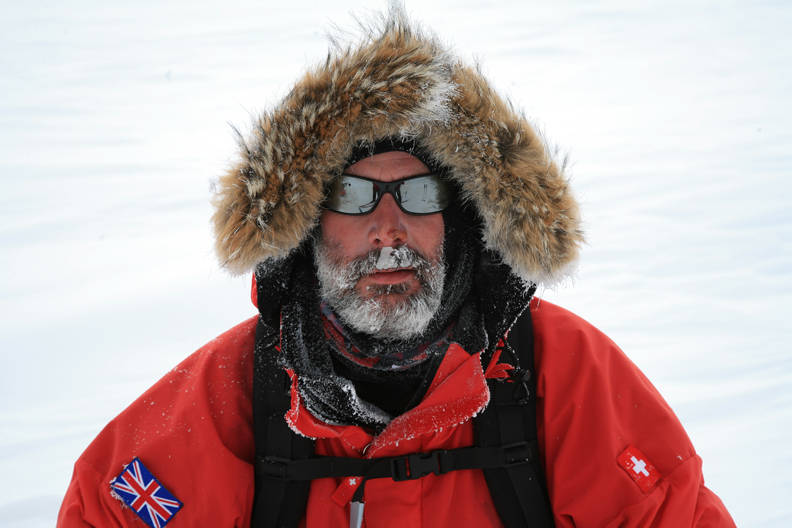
(388,166)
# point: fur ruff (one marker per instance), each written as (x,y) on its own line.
(399,81)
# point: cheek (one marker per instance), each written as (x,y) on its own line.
(428,233)
(336,229)
(424,233)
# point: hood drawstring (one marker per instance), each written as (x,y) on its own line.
(518,376)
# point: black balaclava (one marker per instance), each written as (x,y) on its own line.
(460,245)
(481,296)
(325,377)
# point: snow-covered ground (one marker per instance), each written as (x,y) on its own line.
(113,120)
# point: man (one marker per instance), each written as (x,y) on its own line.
(398,214)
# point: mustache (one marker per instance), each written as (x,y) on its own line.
(400,257)
(346,276)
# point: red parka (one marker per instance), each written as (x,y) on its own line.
(193,430)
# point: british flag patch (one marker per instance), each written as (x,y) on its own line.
(138,488)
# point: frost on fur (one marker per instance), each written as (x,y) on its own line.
(393,77)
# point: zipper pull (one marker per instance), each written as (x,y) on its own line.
(356,514)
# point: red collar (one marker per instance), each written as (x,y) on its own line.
(457,393)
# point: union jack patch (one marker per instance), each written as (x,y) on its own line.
(139,490)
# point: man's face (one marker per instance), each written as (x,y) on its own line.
(348,240)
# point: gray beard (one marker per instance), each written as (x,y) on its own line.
(389,313)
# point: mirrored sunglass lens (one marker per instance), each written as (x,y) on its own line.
(352,195)
(427,194)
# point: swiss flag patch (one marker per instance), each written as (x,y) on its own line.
(639,468)
(345,491)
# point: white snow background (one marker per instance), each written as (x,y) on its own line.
(113,121)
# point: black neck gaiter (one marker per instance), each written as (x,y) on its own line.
(342,391)
(480,301)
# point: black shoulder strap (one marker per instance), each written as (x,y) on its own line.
(519,491)
(278,503)
(507,447)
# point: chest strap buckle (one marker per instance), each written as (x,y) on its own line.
(412,467)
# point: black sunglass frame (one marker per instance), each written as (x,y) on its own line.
(392,188)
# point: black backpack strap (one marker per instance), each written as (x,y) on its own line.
(518,491)
(506,430)
(398,468)
(278,503)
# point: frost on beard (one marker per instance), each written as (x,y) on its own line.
(386,311)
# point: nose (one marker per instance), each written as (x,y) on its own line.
(387,224)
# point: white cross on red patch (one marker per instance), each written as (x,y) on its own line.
(639,468)
(345,490)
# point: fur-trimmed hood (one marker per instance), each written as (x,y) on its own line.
(398,81)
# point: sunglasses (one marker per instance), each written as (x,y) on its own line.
(417,195)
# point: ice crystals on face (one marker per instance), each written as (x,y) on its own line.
(378,312)
(386,261)
(390,258)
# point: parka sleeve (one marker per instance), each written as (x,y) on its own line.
(87,505)
(72,509)
(595,411)
(192,430)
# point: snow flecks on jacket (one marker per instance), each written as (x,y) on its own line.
(578,450)
(441,409)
